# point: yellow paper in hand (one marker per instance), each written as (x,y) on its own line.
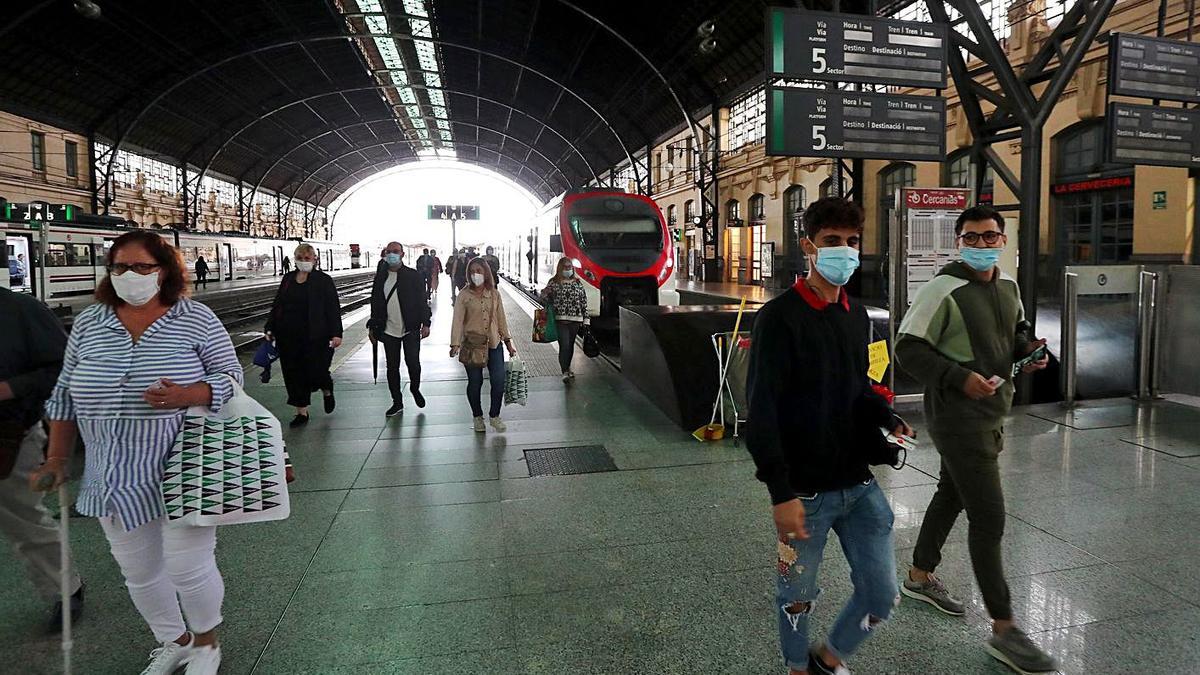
(878,360)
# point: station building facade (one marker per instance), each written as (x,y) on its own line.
(1093,211)
(41,162)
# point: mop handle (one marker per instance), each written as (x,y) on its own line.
(64,520)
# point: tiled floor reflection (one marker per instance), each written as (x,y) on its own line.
(418,546)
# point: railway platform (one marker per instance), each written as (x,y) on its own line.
(418,546)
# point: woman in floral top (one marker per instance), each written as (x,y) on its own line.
(565,293)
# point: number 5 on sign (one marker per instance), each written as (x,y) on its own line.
(877,360)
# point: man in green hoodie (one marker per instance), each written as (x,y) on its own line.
(960,338)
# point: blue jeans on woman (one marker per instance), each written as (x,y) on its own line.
(863,521)
(495,366)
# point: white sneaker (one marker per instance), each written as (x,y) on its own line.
(571,374)
(499,425)
(205,660)
(479,425)
(168,658)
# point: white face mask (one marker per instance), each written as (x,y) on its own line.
(135,289)
(304,265)
(477,279)
(568,273)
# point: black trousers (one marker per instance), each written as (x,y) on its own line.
(305,366)
(202,279)
(410,345)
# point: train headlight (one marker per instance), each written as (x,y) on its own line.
(575,262)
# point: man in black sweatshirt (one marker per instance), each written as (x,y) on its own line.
(814,424)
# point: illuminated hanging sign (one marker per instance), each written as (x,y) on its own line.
(1147,134)
(39,212)
(1152,67)
(452,212)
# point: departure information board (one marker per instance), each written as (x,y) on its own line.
(1150,67)
(1146,134)
(851,48)
(835,123)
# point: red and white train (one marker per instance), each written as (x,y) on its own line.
(619,244)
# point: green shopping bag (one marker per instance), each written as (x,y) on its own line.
(545,328)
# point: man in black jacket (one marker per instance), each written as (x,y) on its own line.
(31,354)
(400,319)
(814,427)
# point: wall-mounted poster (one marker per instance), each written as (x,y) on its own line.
(768,259)
(710,251)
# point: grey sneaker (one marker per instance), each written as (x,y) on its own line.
(934,592)
(1014,649)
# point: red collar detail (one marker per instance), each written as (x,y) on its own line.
(817,302)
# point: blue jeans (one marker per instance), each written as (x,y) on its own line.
(862,519)
(495,366)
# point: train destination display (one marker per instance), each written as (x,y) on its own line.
(1144,134)
(834,123)
(850,48)
(1149,67)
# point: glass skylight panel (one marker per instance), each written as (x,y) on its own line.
(443,124)
(436,98)
(433,79)
(415,7)
(413,110)
(439,111)
(420,28)
(446,136)
(376,25)
(370,5)
(425,55)
(400,78)
(407,95)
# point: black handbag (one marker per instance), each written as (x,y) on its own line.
(591,346)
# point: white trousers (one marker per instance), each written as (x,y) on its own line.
(27,524)
(171,573)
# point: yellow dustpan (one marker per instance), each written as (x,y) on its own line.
(713,431)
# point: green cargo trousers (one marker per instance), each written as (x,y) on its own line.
(970,479)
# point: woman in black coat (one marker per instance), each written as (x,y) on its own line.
(306,326)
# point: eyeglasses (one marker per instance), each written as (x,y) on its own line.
(972,238)
(141,268)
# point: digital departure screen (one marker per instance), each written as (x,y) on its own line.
(1146,134)
(1150,67)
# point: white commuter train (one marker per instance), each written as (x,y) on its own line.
(75,255)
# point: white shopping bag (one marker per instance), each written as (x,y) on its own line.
(227,468)
(516,383)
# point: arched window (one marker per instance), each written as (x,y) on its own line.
(891,178)
(733,213)
(689,212)
(957,173)
(1093,216)
(758,213)
(827,188)
(794,201)
(671,214)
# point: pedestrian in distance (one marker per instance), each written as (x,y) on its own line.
(493,262)
(31,355)
(435,271)
(16,270)
(965,329)
(135,362)
(814,415)
(400,319)
(306,325)
(201,272)
(565,293)
(287,264)
(422,267)
(459,270)
(478,330)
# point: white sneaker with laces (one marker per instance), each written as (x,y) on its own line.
(478,425)
(498,425)
(205,660)
(168,658)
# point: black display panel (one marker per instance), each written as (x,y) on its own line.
(1151,67)
(1147,134)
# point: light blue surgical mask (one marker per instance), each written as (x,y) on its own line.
(836,264)
(392,259)
(980,259)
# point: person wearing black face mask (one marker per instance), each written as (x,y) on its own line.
(811,406)
(400,319)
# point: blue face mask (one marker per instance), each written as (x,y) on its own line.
(836,264)
(980,259)
(392,259)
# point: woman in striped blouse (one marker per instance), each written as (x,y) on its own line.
(134,363)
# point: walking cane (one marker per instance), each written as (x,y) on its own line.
(64,547)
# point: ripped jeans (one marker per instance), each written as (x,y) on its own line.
(862,519)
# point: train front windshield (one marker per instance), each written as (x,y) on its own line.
(607,222)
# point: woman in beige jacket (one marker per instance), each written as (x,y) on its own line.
(479,328)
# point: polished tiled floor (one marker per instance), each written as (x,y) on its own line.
(417,546)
